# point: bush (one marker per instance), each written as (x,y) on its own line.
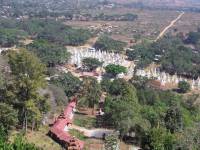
(115,69)
(183,86)
(91,64)
(106,43)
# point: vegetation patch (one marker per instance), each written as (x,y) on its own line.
(84,121)
(77,134)
(106,43)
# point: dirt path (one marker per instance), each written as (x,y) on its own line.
(169,26)
(92,133)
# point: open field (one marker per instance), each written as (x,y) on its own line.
(188,22)
(148,25)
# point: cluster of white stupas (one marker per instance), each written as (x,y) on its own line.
(3,49)
(166,78)
(77,55)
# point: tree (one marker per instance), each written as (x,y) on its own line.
(122,115)
(69,83)
(10,37)
(111,142)
(106,43)
(160,139)
(105,84)
(115,69)
(91,64)
(183,86)
(122,110)
(190,138)
(120,87)
(193,37)
(8,116)
(59,95)
(29,76)
(49,53)
(173,119)
(1,79)
(90,92)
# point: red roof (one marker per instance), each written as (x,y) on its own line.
(59,125)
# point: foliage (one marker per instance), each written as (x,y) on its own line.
(8,116)
(139,82)
(111,142)
(193,37)
(69,83)
(10,37)
(174,119)
(77,134)
(169,115)
(108,44)
(29,76)
(105,84)
(90,92)
(49,53)
(161,139)
(2,82)
(189,139)
(47,29)
(84,121)
(91,64)
(183,86)
(19,142)
(171,53)
(116,17)
(143,53)
(59,95)
(64,35)
(115,69)
(121,107)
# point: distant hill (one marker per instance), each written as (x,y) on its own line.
(162,3)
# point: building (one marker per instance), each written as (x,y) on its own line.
(59,130)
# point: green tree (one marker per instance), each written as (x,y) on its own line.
(174,119)
(49,53)
(91,64)
(1,80)
(69,83)
(122,115)
(90,92)
(106,43)
(59,94)
(28,77)
(183,86)
(193,37)
(115,69)
(111,142)
(190,138)
(8,116)
(105,84)
(122,110)
(160,139)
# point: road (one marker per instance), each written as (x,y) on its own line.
(92,133)
(169,26)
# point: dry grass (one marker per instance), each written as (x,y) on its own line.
(148,25)
(39,138)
